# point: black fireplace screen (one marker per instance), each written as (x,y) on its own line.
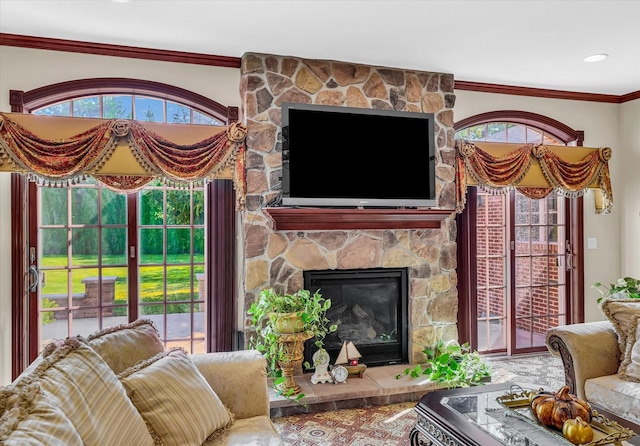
(370,307)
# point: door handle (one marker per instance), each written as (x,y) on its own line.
(34,277)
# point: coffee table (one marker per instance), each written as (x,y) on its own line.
(473,417)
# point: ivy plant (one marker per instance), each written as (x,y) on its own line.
(453,365)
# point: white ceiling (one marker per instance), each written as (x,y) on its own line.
(530,43)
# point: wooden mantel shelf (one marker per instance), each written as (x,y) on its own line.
(325,219)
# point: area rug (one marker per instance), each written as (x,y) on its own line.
(372,426)
(390,425)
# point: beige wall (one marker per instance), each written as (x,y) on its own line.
(604,125)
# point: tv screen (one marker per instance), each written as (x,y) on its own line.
(357,157)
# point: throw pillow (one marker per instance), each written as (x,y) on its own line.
(28,417)
(630,366)
(125,345)
(176,401)
(86,390)
(620,313)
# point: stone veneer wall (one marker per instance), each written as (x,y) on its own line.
(278,258)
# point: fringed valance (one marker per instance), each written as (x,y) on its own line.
(124,155)
(533,170)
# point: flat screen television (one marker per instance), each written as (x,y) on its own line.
(342,156)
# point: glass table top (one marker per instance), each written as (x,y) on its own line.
(511,428)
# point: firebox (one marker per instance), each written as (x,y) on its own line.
(370,307)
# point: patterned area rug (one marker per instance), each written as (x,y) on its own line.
(371,426)
(390,425)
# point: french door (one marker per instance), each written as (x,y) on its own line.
(99,259)
(523,264)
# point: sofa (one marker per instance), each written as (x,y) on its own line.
(602,359)
(120,386)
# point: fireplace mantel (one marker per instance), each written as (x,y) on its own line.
(323,219)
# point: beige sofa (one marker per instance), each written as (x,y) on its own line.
(592,356)
(119,386)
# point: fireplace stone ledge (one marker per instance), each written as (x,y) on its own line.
(378,386)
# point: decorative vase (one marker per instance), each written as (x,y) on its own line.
(288,322)
(291,358)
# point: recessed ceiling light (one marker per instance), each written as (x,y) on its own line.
(596,57)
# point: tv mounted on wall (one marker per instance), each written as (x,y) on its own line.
(357,157)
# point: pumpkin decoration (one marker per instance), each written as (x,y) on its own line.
(577,431)
(554,409)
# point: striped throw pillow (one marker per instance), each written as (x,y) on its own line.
(176,401)
(28,417)
(86,390)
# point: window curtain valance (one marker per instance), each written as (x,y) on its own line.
(533,170)
(125,155)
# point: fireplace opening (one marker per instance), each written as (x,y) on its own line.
(370,307)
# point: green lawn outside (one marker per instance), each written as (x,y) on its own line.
(151,287)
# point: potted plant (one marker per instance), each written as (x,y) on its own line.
(277,314)
(452,364)
(624,288)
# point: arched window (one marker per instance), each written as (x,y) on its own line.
(106,258)
(517,281)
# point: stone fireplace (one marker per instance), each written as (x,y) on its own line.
(279,258)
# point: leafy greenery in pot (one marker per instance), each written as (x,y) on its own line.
(452,364)
(265,315)
(624,288)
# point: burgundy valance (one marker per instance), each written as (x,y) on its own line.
(534,170)
(125,155)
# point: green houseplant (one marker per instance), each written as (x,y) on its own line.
(452,364)
(276,313)
(623,288)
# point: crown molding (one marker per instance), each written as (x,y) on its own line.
(102,49)
(544,93)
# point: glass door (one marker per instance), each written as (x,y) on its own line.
(521,270)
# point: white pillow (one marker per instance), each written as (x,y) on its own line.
(179,406)
(630,366)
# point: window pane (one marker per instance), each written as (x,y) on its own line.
(114,207)
(516,133)
(497,131)
(84,246)
(198,207)
(178,207)
(152,286)
(178,113)
(61,109)
(117,107)
(54,245)
(151,210)
(534,136)
(178,245)
(84,206)
(149,109)
(87,107)
(53,206)
(477,133)
(198,244)
(199,118)
(114,246)
(151,246)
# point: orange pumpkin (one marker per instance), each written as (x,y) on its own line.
(554,409)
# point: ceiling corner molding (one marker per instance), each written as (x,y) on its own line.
(537,92)
(101,49)
(630,96)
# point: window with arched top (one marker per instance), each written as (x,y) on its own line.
(521,275)
(101,258)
